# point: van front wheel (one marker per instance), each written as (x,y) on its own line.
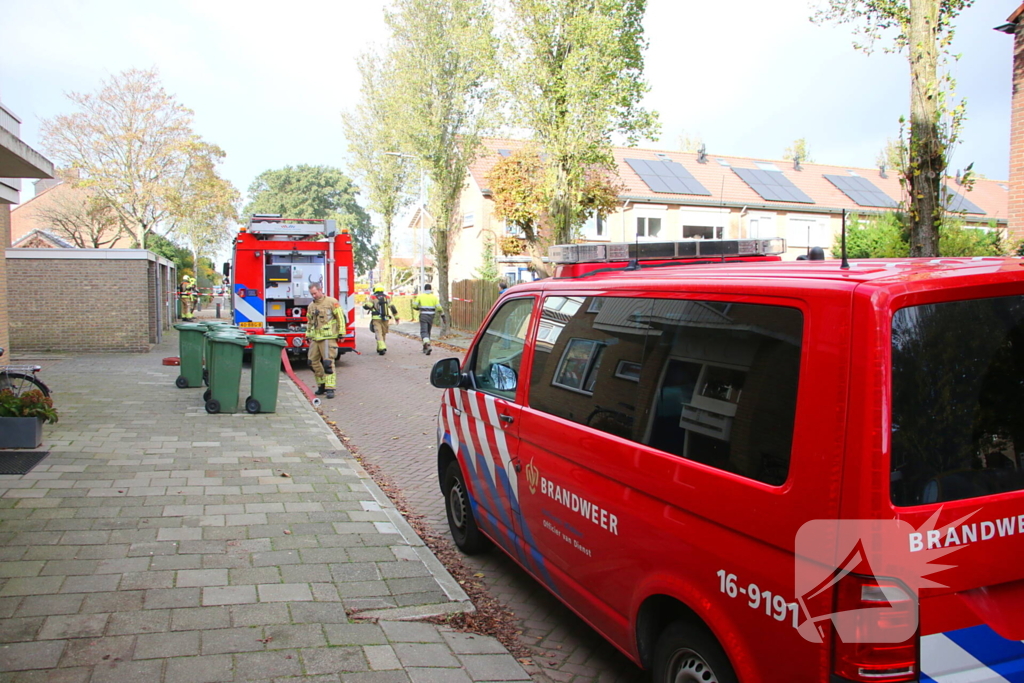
(461,522)
(686,653)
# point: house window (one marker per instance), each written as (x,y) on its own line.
(579,366)
(808,232)
(762,227)
(701,232)
(594,227)
(648,227)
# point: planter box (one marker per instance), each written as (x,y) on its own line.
(21,432)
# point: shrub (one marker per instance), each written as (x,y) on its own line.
(27,404)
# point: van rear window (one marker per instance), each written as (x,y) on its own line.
(957,400)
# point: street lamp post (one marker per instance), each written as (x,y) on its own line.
(422,213)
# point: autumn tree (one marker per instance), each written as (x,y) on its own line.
(130,143)
(576,80)
(924,28)
(80,217)
(690,143)
(204,206)
(522,198)
(798,150)
(892,156)
(441,64)
(373,139)
(316,192)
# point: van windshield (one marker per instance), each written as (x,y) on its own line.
(957,400)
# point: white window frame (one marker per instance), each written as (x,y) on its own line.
(646,212)
(797,231)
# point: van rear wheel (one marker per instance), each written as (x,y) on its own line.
(461,522)
(689,653)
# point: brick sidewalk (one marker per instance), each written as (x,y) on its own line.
(386,406)
(159,543)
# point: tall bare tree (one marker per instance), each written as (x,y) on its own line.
(442,57)
(577,80)
(131,143)
(374,142)
(925,29)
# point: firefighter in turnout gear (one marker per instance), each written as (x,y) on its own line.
(188,293)
(381,310)
(325,323)
(427,304)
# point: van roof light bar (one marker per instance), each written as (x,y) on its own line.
(646,251)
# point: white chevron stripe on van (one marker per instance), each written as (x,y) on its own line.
(946,662)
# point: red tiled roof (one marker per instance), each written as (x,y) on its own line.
(729,189)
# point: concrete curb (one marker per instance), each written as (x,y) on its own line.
(460,600)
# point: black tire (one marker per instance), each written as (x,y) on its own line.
(20,383)
(181,382)
(688,653)
(252,405)
(213,406)
(461,522)
(207,394)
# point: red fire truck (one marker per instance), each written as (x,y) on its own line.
(274,262)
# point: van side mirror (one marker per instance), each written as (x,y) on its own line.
(446,373)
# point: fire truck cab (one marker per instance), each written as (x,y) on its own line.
(274,262)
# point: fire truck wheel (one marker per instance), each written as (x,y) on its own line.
(688,653)
(252,405)
(463,526)
(213,406)
(181,382)
(207,394)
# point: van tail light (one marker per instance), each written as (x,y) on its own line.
(870,613)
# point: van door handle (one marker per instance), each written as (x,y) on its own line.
(456,411)
(507,419)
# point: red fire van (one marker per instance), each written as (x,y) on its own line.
(673,451)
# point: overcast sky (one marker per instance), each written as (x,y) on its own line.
(268,80)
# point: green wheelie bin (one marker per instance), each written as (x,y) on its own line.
(222,330)
(190,351)
(225,361)
(214,326)
(266,370)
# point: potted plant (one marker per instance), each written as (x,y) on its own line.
(22,416)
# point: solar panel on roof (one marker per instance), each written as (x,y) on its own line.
(861,191)
(505,152)
(669,177)
(772,185)
(956,202)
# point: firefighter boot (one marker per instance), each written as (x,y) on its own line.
(320,389)
(330,381)
(382,348)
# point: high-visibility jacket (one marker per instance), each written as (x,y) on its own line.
(427,302)
(188,290)
(324,319)
(380,307)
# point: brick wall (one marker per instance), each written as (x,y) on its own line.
(79,304)
(5,229)
(1016,208)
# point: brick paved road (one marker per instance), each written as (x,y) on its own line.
(387,407)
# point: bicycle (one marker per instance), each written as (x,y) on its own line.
(21,379)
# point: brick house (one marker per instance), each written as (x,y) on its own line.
(17,160)
(51,194)
(681,195)
(1015,27)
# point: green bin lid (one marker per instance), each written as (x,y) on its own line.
(190,326)
(269,339)
(229,339)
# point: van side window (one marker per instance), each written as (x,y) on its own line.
(586,361)
(708,381)
(499,354)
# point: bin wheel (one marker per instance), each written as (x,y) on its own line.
(181,382)
(207,394)
(252,405)
(213,406)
